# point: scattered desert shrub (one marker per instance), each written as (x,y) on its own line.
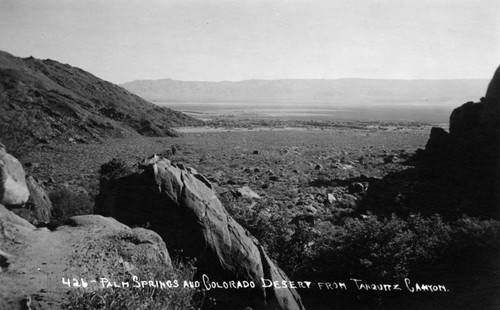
(265,221)
(286,243)
(112,166)
(474,243)
(375,249)
(67,203)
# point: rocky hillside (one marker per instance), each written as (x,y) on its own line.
(340,92)
(49,101)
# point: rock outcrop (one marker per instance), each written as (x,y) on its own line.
(475,123)
(38,209)
(468,157)
(33,261)
(181,206)
(13,188)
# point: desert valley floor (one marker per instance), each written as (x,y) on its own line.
(233,157)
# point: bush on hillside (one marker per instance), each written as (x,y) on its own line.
(67,203)
(112,166)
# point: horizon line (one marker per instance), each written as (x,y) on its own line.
(305,79)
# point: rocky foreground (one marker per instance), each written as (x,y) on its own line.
(175,201)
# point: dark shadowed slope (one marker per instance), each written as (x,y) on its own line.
(341,92)
(50,101)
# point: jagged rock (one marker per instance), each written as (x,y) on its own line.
(186,213)
(438,139)
(13,188)
(38,209)
(34,261)
(331,198)
(246,192)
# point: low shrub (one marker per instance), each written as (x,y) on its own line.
(375,249)
(112,166)
(67,203)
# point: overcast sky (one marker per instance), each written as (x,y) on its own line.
(122,40)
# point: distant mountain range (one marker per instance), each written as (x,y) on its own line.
(51,101)
(340,92)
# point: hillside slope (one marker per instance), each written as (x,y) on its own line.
(49,101)
(339,92)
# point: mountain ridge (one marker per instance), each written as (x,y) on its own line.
(350,91)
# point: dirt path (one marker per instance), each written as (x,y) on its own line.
(40,259)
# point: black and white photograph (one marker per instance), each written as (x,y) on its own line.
(249,155)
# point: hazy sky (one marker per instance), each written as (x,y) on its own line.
(122,40)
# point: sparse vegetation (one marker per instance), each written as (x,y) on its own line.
(229,121)
(114,165)
(147,297)
(18,132)
(67,203)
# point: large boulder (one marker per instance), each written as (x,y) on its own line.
(475,120)
(181,206)
(38,209)
(466,162)
(13,188)
(475,130)
(34,262)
